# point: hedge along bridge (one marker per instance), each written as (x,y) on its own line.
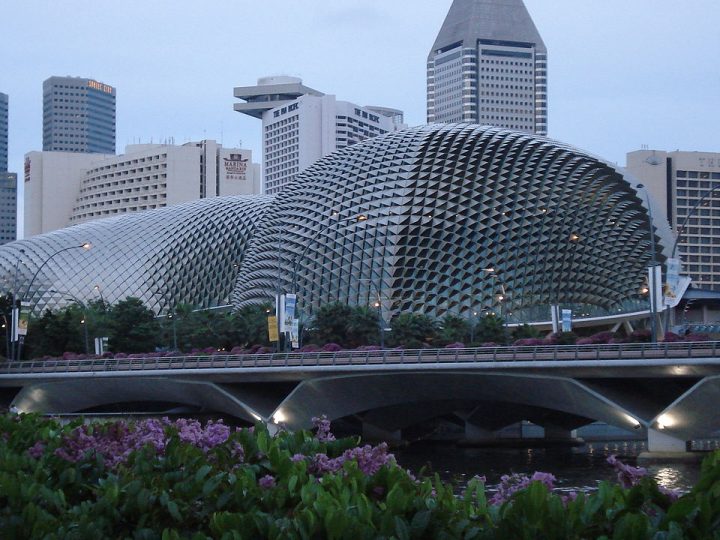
(667,391)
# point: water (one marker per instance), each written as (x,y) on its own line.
(579,468)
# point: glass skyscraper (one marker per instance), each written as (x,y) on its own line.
(488,66)
(78,115)
(3,132)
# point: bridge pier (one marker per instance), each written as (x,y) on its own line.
(559,433)
(659,441)
(371,432)
(477,434)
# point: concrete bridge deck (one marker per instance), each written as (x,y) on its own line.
(670,391)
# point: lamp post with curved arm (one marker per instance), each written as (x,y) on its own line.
(681,231)
(653,263)
(18,303)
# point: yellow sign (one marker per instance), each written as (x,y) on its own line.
(100,86)
(273,328)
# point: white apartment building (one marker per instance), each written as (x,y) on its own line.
(66,188)
(488,65)
(301,125)
(683,182)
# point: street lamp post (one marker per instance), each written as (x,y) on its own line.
(681,231)
(85,245)
(653,263)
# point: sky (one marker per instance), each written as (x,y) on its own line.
(621,73)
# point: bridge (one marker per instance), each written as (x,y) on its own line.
(669,392)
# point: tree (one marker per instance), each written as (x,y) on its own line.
(363,327)
(330,324)
(454,329)
(525,331)
(413,330)
(250,325)
(491,329)
(132,327)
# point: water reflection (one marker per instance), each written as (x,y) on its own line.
(579,468)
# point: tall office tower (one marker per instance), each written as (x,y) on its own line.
(3,132)
(301,125)
(78,115)
(683,182)
(8,207)
(488,65)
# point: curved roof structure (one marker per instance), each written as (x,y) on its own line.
(452,218)
(187,253)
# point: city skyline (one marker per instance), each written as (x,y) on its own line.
(636,86)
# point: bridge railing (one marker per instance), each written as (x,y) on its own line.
(589,353)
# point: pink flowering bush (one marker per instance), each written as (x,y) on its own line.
(159,478)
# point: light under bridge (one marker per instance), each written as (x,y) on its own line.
(669,392)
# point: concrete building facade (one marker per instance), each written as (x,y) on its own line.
(78,115)
(4,132)
(300,125)
(683,183)
(66,188)
(488,65)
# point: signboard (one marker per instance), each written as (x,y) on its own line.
(655,286)
(672,282)
(567,320)
(273,336)
(235,167)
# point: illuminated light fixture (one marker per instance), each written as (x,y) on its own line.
(574,237)
(279,417)
(665,420)
(86,246)
(362,217)
(634,421)
(255,416)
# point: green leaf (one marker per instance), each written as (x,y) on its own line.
(292,483)
(420,522)
(202,472)
(401,529)
(174,511)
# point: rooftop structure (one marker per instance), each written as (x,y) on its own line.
(488,65)
(78,115)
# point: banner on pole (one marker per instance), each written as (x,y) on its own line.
(295,333)
(273,336)
(288,312)
(566,320)
(15,313)
(23,319)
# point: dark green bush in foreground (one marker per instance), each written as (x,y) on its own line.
(162,479)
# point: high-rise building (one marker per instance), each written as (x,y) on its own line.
(8,207)
(488,65)
(300,125)
(67,188)
(78,115)
(683,182)
(3,132)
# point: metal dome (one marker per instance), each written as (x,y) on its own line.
(187,253)
(452,218)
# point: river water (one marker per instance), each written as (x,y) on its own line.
(580,468)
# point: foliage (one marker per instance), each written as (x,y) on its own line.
(330,324)
(413,331)
(526,331)
(162,479)
(363,327)
(491,329)
(562,338)
(454,329)
(132,327)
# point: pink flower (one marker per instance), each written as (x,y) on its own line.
(267,481)
(36,450)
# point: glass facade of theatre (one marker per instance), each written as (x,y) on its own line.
(78,115)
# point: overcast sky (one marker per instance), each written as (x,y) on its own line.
(622,73)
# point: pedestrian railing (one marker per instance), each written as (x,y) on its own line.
(399,357)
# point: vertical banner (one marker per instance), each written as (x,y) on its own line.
(273,336)
(23,319)
(15,313)
(672,282)
(295,333)
(554,318)
(289,312)
(280,312)
(655,287)
(567,320)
